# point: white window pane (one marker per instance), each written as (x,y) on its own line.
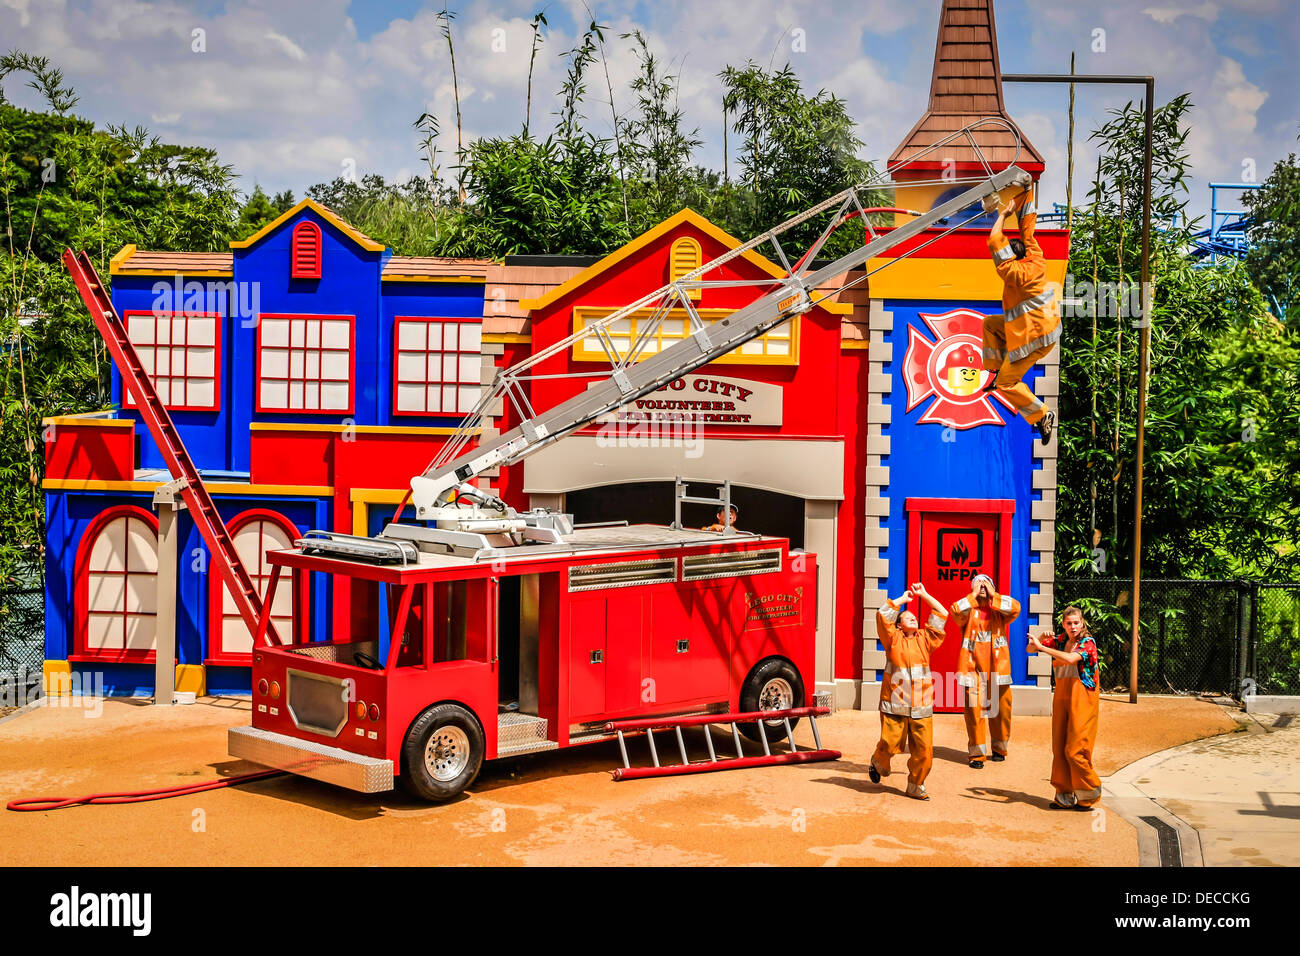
(163,362)
(313,334)
(275,394)
(336,334)
(146,360)
(435,336)
(470,369)
(471,336)
(295,364)
(335,365)
(203,330)
(235,636)
(410,398)
(410,367)
(163,331)
(283,603)
(142,593)
(141,632)
(275,363)
(435,398)
(778,347)
(141,547)
(104,631)
(754,347)
(311,395)
(295,394)
(449,364)
(468,398)
(275,332)
(313,365)
(450,335)
(108,553)
(622,325)
(651,347)
(200,391)
(201,362)
(449,398)
(297,331)
(180,330)
(163,388)
(334,395)
(105,592)
(410,335)
(139,329)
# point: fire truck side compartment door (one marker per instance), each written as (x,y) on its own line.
(586,677)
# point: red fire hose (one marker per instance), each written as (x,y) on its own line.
(137,796)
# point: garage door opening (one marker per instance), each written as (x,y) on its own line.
(651,502)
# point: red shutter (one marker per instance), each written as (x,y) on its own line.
(305,257)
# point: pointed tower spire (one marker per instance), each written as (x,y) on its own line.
(966,85)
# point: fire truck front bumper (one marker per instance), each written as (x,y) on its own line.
(308,759)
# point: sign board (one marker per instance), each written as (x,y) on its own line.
(706,400)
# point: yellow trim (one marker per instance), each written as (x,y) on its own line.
(408,277)
(360,429)
(689,216)
(365,242)
(507,338)
(57,678)
(96,422)
(969,279)
(216,488)
(126,252)
(192,677)
(581,353)
(854,344)
(363,498)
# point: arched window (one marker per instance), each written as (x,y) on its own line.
(305,258)
(116,580)
(254,533)
(685,256)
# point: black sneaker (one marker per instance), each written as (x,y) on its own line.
(997,758)
(1045,426)
(977,764)
(873,773)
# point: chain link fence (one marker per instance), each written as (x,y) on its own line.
(22,631)
(1225,637)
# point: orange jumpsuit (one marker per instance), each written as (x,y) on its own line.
(1030,323)
(984,669)
(1075,705)
(907,696)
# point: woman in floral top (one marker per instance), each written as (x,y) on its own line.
(1075,706)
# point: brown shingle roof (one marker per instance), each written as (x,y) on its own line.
(436,267)
(507,284)
(966,84)
(183,262)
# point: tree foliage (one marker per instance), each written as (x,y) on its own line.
(1274,259)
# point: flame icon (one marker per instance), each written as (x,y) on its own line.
(960,554)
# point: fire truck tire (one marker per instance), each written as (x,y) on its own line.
(442,753)
(773,684)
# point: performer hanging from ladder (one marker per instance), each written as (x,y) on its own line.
(1030,323)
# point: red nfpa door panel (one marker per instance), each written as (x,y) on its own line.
(947,547)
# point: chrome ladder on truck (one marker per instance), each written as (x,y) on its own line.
(185,477)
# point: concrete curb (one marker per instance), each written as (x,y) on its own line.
(27,707)
(1182,847)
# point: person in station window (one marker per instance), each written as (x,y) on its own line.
(984,668)
(1030,323)
(907,688)
(1075,705)
(720,524)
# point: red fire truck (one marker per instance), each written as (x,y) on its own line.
(455,657)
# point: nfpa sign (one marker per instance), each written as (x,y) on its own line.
(949,370)
(958,553)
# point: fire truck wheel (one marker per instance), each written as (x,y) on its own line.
(773,684)
(442,754)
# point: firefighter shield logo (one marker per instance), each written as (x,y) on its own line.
(948,369)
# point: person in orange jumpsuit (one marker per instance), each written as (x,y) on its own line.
(907,690)
(984,668)
(1030,323)
(1075,704)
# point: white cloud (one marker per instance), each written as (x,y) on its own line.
(293,50)
(1205,11)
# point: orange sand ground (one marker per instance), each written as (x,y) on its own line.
(562,807)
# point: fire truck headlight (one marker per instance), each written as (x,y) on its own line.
(275,690)
(263,687)
(374,711)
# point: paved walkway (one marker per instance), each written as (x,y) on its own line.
(1231,800)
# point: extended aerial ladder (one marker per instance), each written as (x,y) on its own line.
(640,370)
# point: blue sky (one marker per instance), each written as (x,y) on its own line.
(292,92)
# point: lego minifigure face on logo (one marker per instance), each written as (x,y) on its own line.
(961,371)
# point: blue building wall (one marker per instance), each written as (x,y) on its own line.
(987,461)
